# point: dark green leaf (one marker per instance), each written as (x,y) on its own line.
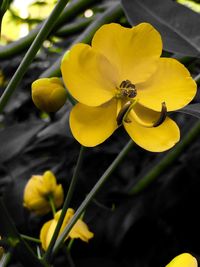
(177,24)
(193,110)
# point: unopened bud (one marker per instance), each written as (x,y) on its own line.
(48,94)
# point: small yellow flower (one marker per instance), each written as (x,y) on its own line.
(121,80)
(38,190)
(79,230)
(183,260)
(48,94)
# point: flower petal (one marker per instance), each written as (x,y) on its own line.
(144,116)
(155,139)
(171,83)
(48,182)
(93,125)
(58,195)
(88,75)
(81,230)
(43,234)
(183,260)
(134,51)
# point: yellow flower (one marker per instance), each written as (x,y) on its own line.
(79,230)
(48,94)
(38,190)
(183,260)
(121,80)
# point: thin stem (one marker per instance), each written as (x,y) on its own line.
(8,230)
(74,27)
(70,192)
(166,161)
(197,79)
(91,195)
(43,33)
(70,244)
(68,256)
(6,259)
(52,204)
(39,252)
(68,252)
(29,238)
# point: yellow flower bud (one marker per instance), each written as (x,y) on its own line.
(38,190)
(66,56)
(79,230)
(183,260)
(48,94)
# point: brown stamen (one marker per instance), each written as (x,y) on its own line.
(163,115)
(122,113)
(128,89)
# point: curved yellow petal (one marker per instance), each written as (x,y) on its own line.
(43,234)
(144,116)
(93,125)
(69,214)
(171,83)
(58,195)
(155,139)
(88,75)
(81,230)
(49,234)
(49,181)
(37,203)
(183,260)
(134,51)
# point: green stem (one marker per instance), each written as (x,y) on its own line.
(70,244)
(8,230)
(29,238)
(52,204)
(74,27)
(114,13)
(70,192)
(91,195)
(197,79)
(45,30)
(69,257)
(167,160)
(68,253)
(6,259)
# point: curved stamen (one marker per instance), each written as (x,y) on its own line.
(123,112)
(163,115)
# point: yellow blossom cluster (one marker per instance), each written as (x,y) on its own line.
(39,191)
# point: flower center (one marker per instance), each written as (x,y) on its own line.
(127,89)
